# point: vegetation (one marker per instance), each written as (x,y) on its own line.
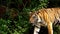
(14,15)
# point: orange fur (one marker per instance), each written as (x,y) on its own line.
(48,15)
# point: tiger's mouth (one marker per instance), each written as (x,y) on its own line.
(38,24)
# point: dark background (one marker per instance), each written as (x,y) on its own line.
(14,15)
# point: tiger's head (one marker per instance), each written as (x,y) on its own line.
(34,18)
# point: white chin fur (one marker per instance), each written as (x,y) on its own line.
(36,30)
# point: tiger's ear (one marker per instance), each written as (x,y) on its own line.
(30,12)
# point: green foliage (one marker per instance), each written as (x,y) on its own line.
(11,24)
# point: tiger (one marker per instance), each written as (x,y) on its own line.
(44,17)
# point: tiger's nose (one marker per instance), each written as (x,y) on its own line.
(31,22)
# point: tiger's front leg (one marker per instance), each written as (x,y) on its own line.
(36,30)
(50,28)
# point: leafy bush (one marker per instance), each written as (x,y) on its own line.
(16,19)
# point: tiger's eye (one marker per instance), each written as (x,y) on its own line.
(34,17)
